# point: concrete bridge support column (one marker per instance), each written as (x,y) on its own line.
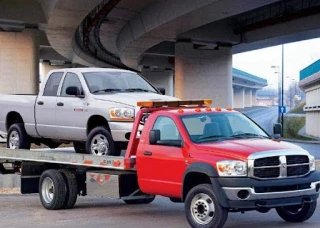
(254,97)
(238,96)
(162,79)
(204,74)
(248,98)
(19,62)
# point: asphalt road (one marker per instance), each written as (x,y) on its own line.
(94,212)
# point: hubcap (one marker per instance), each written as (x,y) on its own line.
(202,209)
(47,190)
(99,145)
(14,140)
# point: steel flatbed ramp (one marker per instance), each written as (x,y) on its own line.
(106,162)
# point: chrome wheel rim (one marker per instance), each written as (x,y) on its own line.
(14,140)
(47,190)
(202,209)
(99,145)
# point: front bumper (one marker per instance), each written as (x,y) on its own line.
(120,129)
(267,193)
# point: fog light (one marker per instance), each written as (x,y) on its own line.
(243,194)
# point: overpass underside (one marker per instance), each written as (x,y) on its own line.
(185,46)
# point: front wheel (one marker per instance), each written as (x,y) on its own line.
(203,209)
(17,137)
(297,213)
(100,142)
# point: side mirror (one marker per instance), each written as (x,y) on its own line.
(277,130)
(154,137)
(74,91)
(162,90)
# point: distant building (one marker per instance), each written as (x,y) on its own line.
(310,84)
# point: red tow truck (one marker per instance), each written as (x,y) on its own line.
(214,160)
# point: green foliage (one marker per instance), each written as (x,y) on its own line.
(291,127)
(298,109)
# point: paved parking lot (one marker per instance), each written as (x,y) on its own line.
(94,212)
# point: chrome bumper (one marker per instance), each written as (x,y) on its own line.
(232,193)
(120,129)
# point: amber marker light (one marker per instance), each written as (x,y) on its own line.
(180,111)
(229,109)
(208,109)
(218,109)
(198,109)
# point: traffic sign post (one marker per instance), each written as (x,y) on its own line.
(282,109)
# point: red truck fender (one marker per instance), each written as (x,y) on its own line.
(203,173)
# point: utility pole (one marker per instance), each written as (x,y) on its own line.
(282,103)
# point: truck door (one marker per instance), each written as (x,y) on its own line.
(71,115)
(161,167)
(45,107)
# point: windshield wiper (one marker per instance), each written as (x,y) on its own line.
(210,137)
(139,90)
(106,90)
(250,135)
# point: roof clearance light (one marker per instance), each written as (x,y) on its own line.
(208,109)
(198,109)
(180,111)
(229,109)
(218,109)
(173,103)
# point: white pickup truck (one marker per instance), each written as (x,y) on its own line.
(92,107)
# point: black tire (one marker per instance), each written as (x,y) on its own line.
(72,188)
(140,201)
(297,213)
(80,147)
(103,134)
(203,209)
(52,189)
(23,138)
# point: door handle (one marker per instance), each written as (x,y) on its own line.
(40,103)
(147,153)
(59,104)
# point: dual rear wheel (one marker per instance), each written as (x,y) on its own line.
(58,189)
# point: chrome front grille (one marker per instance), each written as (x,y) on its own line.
(282,166)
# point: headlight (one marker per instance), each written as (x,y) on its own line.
(312,163)
(121,114)
(232,168)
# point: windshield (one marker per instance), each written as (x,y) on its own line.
(104,82)
(211,127)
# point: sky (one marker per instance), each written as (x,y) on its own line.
(297,56)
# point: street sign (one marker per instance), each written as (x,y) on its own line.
(282,109)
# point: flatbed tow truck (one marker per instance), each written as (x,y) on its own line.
(214,160)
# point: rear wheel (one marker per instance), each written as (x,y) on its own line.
(100,142)
(17,137)
(203,209)
(140,201)
(72,188)
(297,213)
(80,147)
(52,190)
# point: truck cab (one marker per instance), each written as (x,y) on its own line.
(219,161)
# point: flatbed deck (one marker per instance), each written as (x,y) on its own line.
(104,162)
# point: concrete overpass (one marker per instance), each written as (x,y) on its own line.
(310,83)
(193,39)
